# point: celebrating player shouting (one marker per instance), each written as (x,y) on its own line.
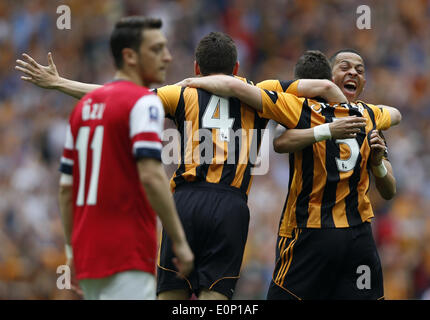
(324,234)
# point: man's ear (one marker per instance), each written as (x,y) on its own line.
(129,56)
(196,69)
(236,68)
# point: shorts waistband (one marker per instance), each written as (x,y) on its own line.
(212,186)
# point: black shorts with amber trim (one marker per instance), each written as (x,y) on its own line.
(215,220)
(334,263)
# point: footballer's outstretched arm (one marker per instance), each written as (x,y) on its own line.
(311,88)
(227,86)
(47,77)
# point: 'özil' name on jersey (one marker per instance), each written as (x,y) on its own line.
(92,112)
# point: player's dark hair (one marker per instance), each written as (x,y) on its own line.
(334,56)
(216,53)
(128,34)
(313,64)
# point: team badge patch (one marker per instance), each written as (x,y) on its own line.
(153,113)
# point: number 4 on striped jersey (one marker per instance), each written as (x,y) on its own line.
(221,121)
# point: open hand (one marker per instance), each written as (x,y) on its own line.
(42,76)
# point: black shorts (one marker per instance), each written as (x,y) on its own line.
(215,220)
(335,263)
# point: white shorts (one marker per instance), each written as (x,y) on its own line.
(127,285)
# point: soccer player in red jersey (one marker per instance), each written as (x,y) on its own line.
(113,183)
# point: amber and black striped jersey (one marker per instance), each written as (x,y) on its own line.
(289,86)
(329,180)
(220,137)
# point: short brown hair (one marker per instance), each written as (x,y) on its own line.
(313,64)
(216,53)
(128,34)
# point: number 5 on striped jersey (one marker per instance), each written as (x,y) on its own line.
(222,121)
(82,147)
(348,164)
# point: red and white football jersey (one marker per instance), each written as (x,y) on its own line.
(114,226)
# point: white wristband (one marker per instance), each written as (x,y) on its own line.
(322,132)
(379,171)
(69,251)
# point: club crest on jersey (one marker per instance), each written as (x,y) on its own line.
(153,113)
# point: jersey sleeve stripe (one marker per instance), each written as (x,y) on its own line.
(147,153)
(147,145)
(67,161)
(147,136)
(67,154)
(66,168)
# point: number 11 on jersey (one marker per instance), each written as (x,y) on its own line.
(82,147)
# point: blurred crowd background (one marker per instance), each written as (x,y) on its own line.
(270,36)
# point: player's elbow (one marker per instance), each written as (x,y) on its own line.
(389,195)
(280,146)
(396,117)
(387,191)
(395,114)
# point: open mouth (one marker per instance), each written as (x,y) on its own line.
(350,86)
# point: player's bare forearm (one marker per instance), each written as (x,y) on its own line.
(73,88)
(380,167)
(66,210)
(386,186)
(294,140)
(310,88)
(297,139)
(227,86)
(156,185)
